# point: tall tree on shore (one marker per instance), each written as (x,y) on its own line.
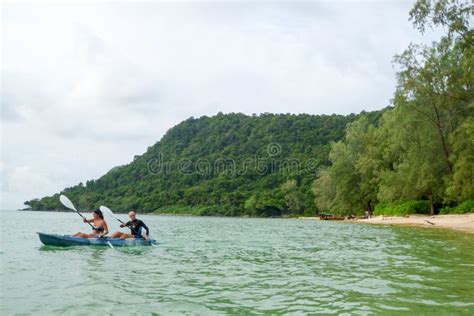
(435,88)
(351,182)
(324,190)
(461,185)
(422,148)
(415,169)
(293,197)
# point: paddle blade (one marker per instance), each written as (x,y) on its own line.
(66,202)
(106,210)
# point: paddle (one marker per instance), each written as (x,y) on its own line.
(107,210)
(67,203)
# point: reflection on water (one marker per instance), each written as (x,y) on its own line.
(55,249)
(241,266)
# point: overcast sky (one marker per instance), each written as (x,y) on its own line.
(87,87)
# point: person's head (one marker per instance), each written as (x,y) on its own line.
(97,214)
(132,215)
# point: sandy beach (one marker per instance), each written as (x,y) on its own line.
(464,222)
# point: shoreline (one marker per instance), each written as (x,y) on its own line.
(459,222)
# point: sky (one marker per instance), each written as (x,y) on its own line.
(85,87)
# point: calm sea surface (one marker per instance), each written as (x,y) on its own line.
(236,266)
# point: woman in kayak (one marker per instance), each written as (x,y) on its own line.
(135,226)
(98,222)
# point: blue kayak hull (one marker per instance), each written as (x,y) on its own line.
(67,241)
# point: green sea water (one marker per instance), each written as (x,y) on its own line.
(213,266)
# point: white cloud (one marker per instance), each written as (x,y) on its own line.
(88,86)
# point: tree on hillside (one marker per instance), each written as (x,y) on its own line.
(294,199)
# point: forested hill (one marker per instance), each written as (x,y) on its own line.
(228,164)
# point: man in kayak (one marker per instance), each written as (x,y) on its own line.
(135,226)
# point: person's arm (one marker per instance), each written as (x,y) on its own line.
(88,220)
(106,229)
(147,230)
(127,224)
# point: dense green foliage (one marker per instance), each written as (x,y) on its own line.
(230,164)
(423,147)
(464,207)
(404,208)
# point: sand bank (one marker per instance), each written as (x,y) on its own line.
(464,222)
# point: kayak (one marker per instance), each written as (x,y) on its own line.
(67,241)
